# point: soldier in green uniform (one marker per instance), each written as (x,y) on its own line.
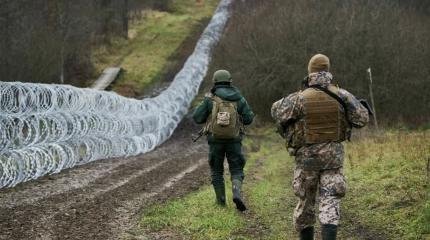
(222,145)
(317,120)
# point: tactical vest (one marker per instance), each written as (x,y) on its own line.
(224,122)
(324,120)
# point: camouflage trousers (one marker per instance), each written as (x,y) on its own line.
(332,187)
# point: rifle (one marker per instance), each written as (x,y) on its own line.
(200,134)
(281,129)
(366,105)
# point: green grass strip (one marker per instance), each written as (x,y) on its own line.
(196,215)
(272,199)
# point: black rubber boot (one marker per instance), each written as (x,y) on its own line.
(220,195)
(307,233)
(237,199)
(329,232)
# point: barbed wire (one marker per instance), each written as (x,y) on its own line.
(48,128)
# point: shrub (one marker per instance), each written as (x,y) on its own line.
(268,43)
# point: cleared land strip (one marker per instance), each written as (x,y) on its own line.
(82,203)
(84,176)
(126,221)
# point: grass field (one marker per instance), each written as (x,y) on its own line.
(388,193)
(388,182)
(152,39)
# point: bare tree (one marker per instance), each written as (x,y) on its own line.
(61,11)
(51,40)
(268,43)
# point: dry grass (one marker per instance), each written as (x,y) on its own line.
(388,182)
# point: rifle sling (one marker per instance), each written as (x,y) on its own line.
(336,97)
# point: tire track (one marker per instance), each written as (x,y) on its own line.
(86,202)
(128,216)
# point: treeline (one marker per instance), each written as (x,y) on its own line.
(268,43)
(51,41)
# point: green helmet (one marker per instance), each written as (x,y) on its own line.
(221,76)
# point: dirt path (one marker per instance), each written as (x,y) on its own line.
(103,199)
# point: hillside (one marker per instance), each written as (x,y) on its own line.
(268,51)
(159,44)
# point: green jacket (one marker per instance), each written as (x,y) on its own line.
(229,93)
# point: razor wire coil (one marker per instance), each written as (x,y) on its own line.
(48,128)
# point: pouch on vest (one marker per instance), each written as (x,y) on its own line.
(225,121)
(223,118)
(324,121)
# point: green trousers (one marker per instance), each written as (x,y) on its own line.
(236,161)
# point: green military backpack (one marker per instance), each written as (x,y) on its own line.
(224,122)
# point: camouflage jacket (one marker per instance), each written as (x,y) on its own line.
(326,155)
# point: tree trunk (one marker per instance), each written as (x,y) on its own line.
(62,64)
(7,42)
(125,19)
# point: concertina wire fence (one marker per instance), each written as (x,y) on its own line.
(47,128)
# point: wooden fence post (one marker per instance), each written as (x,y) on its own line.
(428,168)
(371,98)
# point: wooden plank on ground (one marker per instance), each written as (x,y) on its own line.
(108,76)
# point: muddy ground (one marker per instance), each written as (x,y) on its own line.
(103,199)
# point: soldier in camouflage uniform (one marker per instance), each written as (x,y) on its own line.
(219,149)
(318,162)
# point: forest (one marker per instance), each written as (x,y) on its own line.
(268,51)
(52,41)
